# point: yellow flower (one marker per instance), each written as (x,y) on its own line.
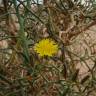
(46,47)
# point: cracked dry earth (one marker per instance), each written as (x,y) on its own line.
(84,47)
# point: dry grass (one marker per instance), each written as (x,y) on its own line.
(71,72)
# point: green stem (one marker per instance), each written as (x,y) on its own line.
(22,38)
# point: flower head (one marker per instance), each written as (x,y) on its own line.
(46,47)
